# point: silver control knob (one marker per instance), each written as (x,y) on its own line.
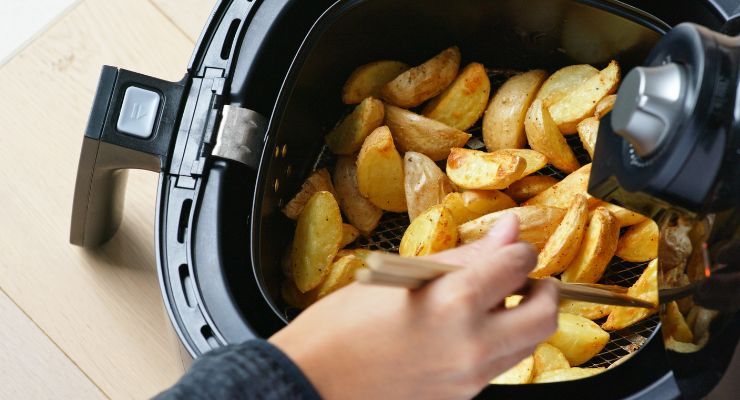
(649,101)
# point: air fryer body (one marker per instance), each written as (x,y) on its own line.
(219,232)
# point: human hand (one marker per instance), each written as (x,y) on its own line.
(446,340)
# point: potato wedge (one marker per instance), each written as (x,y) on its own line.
(681,347)
(431,232)
(520,374)
(342,274)
(349,234)
(588,129)
(368,79)
(561,194)
(646,288)
(562,247)
(414,132)
(348,136)
(359,253)
(597,249)
(578,338)
(503,121)
(564,81)
(543,135)
(512,300)
(639,243)
(581,102)
(624,216)
(318,234)
(318,180)
(605,105)
(421,83)
(529,186)
(472,204)
(568,374)
(380,171)
(674,324)
(535,160)
(674,247)
(536,224)
(473,169)
(360,212)
(295,298)
(464,101)
(586,310)
(700,320)
(548,358)
(424,183)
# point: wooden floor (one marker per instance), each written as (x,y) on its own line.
(81,324)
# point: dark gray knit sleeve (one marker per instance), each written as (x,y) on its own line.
(252,370)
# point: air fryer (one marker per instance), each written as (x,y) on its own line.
(235,138)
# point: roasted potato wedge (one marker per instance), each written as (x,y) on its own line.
(588,129)
(562,247)
(349,234)
(319,180)
(646,288)
(421,83)
(535,160)
(360,212)
(463,102)
(359,253)
(472,204)
(578,338)
(431,232)
(543,135)
(425,184)
(536,224)
(473,169)
(342,273)
(568,374)
(520,374)
(564,81)
(561,194)
(529,186)
(597,249)
(318,234)
(624,216)
(674,324)
(513,300)
(503,122)
(639,243)
(380,171)
(414,132)
(581,102)
(548,358)
(586,310)
(675,245)
(368,79)
(348,136)
(295,298)
(699,320)
(605,105)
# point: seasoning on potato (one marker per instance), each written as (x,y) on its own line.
(597,249)
(561,194)
(529,186)
(360,212)
(348,136)
(380,171)
(639,243)
(564,243)
(564,81)
(431,232)
(421,83)
(367,80)
(463,102)
(473,169)
(544,136)
(424,183)
(414,132)
(318,180)
(646,288)
(536,224)
(605,105)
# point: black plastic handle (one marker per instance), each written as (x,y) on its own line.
(107,153)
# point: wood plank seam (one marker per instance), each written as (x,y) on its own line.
(175,24)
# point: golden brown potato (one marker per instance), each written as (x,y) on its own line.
(674,324)
(586,310)
(360,212)
(543,135)
(503,122)
(414,132)
(597,249)
(561,194)
(529,186)
(564,81)
(548,358)
(581,102)
(520,374)
(359,253)
(513,300)
(380,171)
(368,79)
(565,242)
(348,136)
(682,347)
(295,298)
(605,105)
(535,160)
(421,83)
(646,288)
(472,204)
(349,234)
(639,243)
(319,180)
(568,374)
(588,129)
(624,216)
(425,184)
(536,224)
(463,102)
(431,232)
(318,234)
(473,169)
(342,274)
(578,338)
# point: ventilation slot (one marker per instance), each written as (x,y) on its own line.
(229,39)
(209,337)
(187,286)
(182,227)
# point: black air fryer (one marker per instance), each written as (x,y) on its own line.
(235,138)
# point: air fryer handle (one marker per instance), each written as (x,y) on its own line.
(131,125)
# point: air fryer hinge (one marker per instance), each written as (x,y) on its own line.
(240,136)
